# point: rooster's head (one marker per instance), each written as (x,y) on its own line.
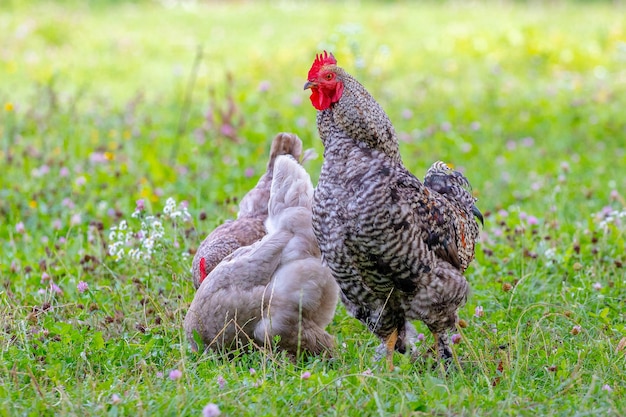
(324,81)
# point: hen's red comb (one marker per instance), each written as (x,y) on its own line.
(320,61)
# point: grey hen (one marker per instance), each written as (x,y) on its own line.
(274,287)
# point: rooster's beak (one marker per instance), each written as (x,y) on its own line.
(309,84)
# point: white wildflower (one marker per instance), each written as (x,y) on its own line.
(550,253)
(126,241)
(157,226)
(170,205)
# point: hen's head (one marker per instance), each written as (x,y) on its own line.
(324,81)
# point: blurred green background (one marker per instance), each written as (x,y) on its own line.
(107,102)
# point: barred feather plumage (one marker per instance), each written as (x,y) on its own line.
(396,247)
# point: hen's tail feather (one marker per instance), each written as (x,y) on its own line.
(254,203)
(291,186)
(284,144)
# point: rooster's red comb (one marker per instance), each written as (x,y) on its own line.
(320,61)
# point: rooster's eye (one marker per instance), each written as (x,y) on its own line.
(329,76)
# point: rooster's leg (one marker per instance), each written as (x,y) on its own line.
(442,345)
(390,344)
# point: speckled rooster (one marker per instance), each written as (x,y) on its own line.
(397,248)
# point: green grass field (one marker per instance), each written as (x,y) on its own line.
(105,104)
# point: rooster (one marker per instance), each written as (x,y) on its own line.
(274,287)
(249,226)
(397,248)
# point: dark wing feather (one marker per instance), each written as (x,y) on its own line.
(434,217)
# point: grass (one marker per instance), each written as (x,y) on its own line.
(107,103)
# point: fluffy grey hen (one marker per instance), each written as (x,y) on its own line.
(274,287)
(397,248)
